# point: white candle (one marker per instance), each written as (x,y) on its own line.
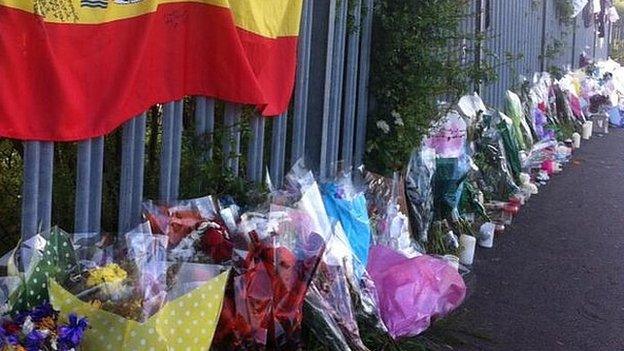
(467,249)
(576,140)
(587,130)
(486,235)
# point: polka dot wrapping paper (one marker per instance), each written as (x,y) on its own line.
(57,259)
(186,323)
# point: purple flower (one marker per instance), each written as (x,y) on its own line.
(42,311)
(6,338)
(34,340)
(70,335)
(36,314)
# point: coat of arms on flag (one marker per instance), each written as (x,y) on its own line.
(101,4)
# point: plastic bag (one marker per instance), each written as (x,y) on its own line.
(413,292)
(419,189)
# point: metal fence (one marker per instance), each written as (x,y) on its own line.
(528,36)
(327,120)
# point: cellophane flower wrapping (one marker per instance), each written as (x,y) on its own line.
(419,189)
(276,255)
(448,137)
(42,328)
(496,180)
(27,320)
(515,110)
(413,292)
(329,311)
(451,173)
(541,151)
(142,300)
(389,213)
(346,205)
(178,220)
(511,144)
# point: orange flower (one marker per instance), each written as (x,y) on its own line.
(47,323)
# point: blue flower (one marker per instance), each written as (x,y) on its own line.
(34,340)
(70,335)
(42,311)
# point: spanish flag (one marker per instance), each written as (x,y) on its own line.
(76,69)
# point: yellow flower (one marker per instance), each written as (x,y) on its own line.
(110,273)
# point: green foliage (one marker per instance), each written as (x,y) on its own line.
(199,174)
(419,55)
(565,10)
(10,185)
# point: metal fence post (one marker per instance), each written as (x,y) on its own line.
(255,155)
(30,189)
(353,52)
(543,46)
(231,144)
(300,110)
(363,83)
(278,149)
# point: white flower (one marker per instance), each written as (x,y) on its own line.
(381,124)
(399,121)
(28,326)
(395,114)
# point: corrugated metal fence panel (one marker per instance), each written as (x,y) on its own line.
(526,36)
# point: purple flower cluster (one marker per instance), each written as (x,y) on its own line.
(39,329)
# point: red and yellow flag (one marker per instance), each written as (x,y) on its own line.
(75,69)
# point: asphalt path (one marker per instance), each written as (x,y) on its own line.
(555,279)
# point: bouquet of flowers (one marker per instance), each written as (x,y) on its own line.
(42,328)
(264,299)
(194,228)
(138,299)
(496,180)
(419,189)
(388,209)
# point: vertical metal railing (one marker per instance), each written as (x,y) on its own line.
(518,26)
(87,215)
(333,87)
(132,172)
(363,79)
(350,92)
(300,110)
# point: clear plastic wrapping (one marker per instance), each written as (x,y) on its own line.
(419,188)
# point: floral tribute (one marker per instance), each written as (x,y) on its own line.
(42,328)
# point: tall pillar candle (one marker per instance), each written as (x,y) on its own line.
(576,140)
(587,130)
(467,246)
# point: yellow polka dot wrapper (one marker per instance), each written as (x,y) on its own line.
(186,323)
